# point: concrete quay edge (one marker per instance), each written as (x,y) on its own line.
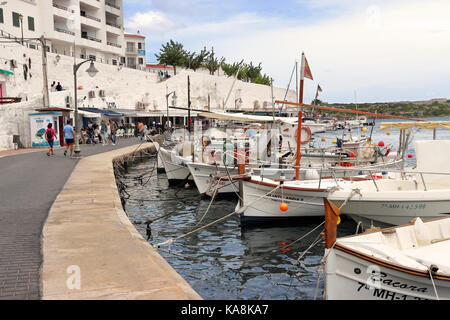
(92,251)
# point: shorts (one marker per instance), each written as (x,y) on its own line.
(69,141)
(50,143)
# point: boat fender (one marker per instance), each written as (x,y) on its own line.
(387,152)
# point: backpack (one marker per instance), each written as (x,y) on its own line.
(49,134)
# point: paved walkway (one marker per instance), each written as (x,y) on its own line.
(29,184)
(90,248)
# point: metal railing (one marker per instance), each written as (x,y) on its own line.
(90,17)
(64,31)
(63,8)
(112,5)
(114,44)
(112,24)
(91,38)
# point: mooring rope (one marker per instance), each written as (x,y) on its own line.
(172,240)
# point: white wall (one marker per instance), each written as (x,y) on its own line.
(125,87)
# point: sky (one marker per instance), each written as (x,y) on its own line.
(363,51)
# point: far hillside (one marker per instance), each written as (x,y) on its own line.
(430,108)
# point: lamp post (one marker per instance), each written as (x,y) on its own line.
(21,25)
(167,103)
(92,71)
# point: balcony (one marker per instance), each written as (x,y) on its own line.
(112,24)
(64,31)
(90,38)
(63,8)
(114,44)
(112,5)
(83,14)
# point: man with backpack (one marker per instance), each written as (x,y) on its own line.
(113,126)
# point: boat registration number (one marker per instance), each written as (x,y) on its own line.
(407,206)
(385,294)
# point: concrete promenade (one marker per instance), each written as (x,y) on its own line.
(29,185)
(92,251)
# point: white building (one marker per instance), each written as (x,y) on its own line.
(135,51)
(94,26)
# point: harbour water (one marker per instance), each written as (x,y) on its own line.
(226,261)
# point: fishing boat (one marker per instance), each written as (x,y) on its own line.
(408,262)
(420,192)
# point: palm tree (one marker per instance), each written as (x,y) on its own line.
(172,54)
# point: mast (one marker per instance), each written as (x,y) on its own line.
(299,128)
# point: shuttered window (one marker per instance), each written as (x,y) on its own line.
(31,23)
(16,20)
(1,15)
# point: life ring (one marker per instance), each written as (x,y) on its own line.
(308,133)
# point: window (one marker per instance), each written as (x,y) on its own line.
(31,23)
(16,19)
(141,61)
(122,60)
(114,62)
(91,57)
(139,46)
(1,15)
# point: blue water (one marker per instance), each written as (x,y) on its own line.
(226,261)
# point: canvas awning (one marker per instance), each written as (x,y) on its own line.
(100,111)
(87,114)
(237,117)
(413,124)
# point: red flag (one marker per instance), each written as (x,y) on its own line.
(307,71)
(319,89)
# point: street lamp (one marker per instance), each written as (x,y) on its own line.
(21,25)
(174,99)
(92,71)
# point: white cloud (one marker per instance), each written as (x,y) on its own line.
(385,50)
(150,21)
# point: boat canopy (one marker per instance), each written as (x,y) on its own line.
(238,117)
(414,124)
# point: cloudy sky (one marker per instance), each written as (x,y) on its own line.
(385,50)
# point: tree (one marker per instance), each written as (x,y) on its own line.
(172,54)
(194,61)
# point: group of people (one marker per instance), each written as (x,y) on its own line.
(106,131)
(56,87)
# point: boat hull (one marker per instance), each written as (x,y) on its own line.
(262,207)
(176,170)
(349,277)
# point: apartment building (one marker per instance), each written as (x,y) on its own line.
(93,27)
(135,51)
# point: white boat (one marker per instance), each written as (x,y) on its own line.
(261,198)
(421,192)
(175,165)
(409,262)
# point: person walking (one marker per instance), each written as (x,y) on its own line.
(50,136)
(69,137)
(141,130)
(104,132)
(113,126)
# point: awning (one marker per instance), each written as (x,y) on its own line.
(105,112)
(237,117)
(413,124)
(6,72)
(87,114)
